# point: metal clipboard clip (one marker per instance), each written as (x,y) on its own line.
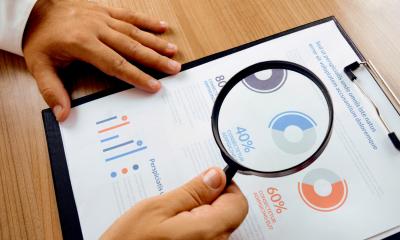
(348,70)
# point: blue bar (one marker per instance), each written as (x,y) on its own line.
(117,146)
(124,154)
(109,138)
(106,120)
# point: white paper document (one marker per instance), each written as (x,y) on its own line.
(132,145)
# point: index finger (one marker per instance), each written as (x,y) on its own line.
(231,207)
(113,64)
(218,219)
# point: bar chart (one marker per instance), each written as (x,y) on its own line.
(114,144)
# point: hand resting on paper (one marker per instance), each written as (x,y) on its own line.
(61,31)
(200,209)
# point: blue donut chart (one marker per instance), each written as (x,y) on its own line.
(279,124)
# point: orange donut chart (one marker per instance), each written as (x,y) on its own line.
(324,203)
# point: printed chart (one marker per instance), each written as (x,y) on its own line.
(120,157)
(111,141)
(323,190)
(292,121)
(266,81)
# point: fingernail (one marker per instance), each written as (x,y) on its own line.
(153,84)
(173,65)
(171,47)
(57,111)
(164,24)
(212,178)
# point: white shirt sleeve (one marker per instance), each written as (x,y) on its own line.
(13,18)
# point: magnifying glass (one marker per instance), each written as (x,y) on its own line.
(272,119)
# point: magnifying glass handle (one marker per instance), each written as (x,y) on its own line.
(229,173)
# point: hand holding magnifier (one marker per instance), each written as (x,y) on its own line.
(272,119)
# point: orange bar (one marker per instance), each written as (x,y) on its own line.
(113,127)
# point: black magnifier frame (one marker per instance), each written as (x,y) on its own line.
(233,166)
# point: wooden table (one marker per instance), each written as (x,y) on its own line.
(27,201)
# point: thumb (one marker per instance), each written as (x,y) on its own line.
(203,189)
(52,90)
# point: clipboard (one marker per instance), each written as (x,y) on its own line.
(68,214)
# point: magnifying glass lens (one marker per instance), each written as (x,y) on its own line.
(273,120)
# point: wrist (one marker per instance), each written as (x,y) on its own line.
(36,16)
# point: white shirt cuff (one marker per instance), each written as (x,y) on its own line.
(14,15)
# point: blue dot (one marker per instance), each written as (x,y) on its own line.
(139,142)
(135,167)
(113,174)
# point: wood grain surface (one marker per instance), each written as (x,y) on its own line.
(28,208)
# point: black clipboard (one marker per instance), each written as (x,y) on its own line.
(68,214)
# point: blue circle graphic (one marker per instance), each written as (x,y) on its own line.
(282,121)
(135,167)
(113,174)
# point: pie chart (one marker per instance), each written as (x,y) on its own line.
(325,197)
(298,120)
(266,81)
